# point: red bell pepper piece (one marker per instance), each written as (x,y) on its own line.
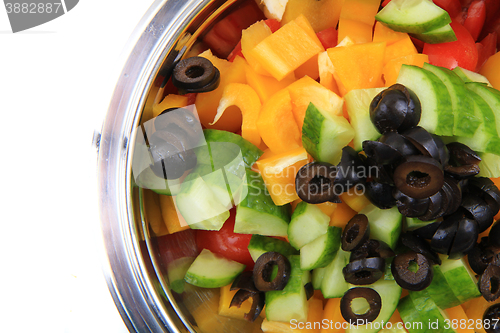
(486,48)
(462,52)
(453,7)
(476,16)
(385,3)
(273,24)
(328,37)
(235,52)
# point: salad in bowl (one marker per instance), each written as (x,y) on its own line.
(328,166)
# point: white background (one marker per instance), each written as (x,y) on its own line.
(55,84)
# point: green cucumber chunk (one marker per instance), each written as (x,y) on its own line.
(261,244)
(461,279)
(413,16)
(257,213)
(385,224)
(320,251)
(443,34)
(317,277)
(470,76)
(489,165)
(465,121)
(422,315)
(308,223)
(412,223)
(437,114)
(333,284)
(389,292)
(291,302)
(439,290)
(357,103)
(176,271)
(212,271)
(324,135)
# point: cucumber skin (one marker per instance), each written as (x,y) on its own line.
(435,36)
(262,244)
(454,271)
(425,312)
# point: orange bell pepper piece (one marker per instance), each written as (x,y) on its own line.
(392,68)
(341,215)
(398,49)
(336,323)
(245,98)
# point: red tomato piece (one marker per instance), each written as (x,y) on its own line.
(273,24)
(462,52)
(453,7)
(235,52)
(486,48)
(328,37)
(178,245)
(227,243)
(476,16)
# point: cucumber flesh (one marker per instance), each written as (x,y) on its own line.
(324,135)
(320,251)
(176,270)
(212,271)
(317,277)
(470,76)
(489,165)
(443,34)
(413,16)
(389,292)
(257,213)
(421,315)
(412,223)
(333,284)
(291,302)
(357,103)
(385,224)
(460,278)
(261,244)
(437,115)
(308,223)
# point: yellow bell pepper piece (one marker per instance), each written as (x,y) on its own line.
(391,70)
(226,296)
(250,37)
(170,101)
(381,33)
(401,48)
(171,216)
(265,86)
(247,100)
(153,213)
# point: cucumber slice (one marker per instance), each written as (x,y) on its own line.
(257,213)
(439,290)
(461,279)
(333,284)
(390,293)
(324,135)
(422,315)
(413,16)
(443,34)
(412,223)
(320,251)
(385,224)
(291,302)
(176,271)
(489,165)
(486,137)
(317,277)
(212,271)
(261,244)
(465,121)
(470,76)
(437,115)
(308,223)
(357,103)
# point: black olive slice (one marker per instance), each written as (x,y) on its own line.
(370,249)
(465,238)
(309,290)
(442,240)
(388,110)
(423,141)
(355,233)
(408,206)
(492,317)
(419,245)
(244,281)
(463,171)
(400,143)
(364,271)
(482,255)
(168,161)
(381,153)
(258,301)
(494,235)
(194,75)
(492,197)
(264,267)
(314,183)
(427,231)
(419,177)
(489,283)
(444,154)
(412,271)
(380,194)
(381,173)
(437,205)
(478,210)
(485,189)
(453,193)
(351,170)
(461,154)
(370,295)
(414,108)
(182,122)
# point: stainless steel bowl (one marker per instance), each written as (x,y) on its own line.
(136,282)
